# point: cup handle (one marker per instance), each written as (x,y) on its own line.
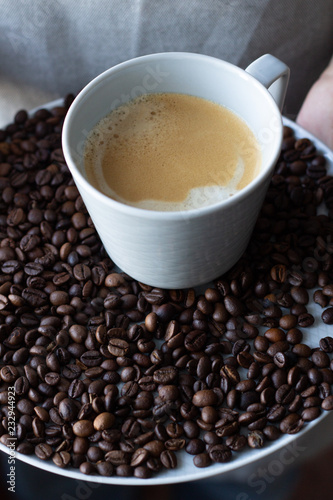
(273,74)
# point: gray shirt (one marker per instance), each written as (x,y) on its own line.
(49,48)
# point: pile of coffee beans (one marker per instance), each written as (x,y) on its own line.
(114,377)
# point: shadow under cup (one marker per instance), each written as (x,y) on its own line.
(175,249)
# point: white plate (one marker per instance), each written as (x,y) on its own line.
(185,470)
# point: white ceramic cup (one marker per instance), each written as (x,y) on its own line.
(186,248)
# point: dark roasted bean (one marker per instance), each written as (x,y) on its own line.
(105,468)
(326,344)
(256,439)
(43,451)
(205,397)
(220,453)
(291,424)
(202,460)
(236,442)
(233,305)
(327,316)
(165,375)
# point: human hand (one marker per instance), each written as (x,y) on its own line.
(316,114)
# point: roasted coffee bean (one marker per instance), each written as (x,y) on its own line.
(233,305)
(288,321)
(328,290)
(103,421)
(261,343)
(324,390)
(105,468)
(284,394)
(68,410)
(230,375)
(284,359)
(256,439)
(165,375)
(195,446)
(61,459)
(168,459)
(279,377)
(311,413)
(9,374)
(43,451)
(299,294)
(276,413)
(94,454)
(195,340)
(71,371)
(205,397)
(142,472)
(209,414)
(302,350)
(236,442)
(87,468)
(262,358)
(253,370)
(291,424)
(305,320)
(275,335)
(118,347)
(320,359)
(21,386)
(139,457)
(327,403)
(165,312)
(42,413)
(327,316)
(267,396)
(294,375)
(191,429)
(220,453)
(83,428)
(247,398)
(224,429)
(25,448)
(210,438)
(91,358)
(326,344)
(294,336)
(52,378)
(271,432)
(168,392)
(155,448)
(320,298)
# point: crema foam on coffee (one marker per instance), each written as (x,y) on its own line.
(171,152)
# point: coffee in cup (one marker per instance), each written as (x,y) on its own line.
(170,151)
(179,249)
